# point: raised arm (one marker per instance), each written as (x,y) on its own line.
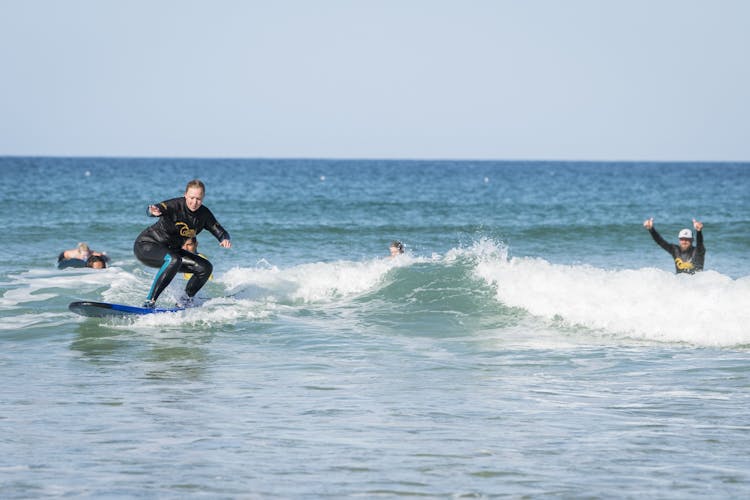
(649,224)
(699,235)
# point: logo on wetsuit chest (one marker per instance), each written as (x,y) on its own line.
(185,230)
(683,265)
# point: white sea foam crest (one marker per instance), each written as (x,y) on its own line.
(39,285)
(483,249)
(707,308)
(313,282)
(215,311)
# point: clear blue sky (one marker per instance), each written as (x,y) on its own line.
(525,79)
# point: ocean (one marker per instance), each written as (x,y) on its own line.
(532,341)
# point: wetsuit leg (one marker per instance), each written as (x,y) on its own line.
(201,269)
(158,255)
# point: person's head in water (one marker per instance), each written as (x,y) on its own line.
(686,239)
(191,245)
(397,248)
(194,193)
(96,262)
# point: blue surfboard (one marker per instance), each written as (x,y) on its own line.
(106,309)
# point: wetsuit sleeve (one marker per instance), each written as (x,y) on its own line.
(699,248)
(660,241)
(215,228)
(163,206)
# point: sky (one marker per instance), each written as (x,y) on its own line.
(640,80)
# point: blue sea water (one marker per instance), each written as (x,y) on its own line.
(533,341)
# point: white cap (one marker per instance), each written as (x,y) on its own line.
(686,233)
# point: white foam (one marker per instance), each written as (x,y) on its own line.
(482,250)
(264,290)
(39,285)
(307,283)
(212,312)
(705,309)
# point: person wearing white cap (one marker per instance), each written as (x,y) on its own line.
(687,258)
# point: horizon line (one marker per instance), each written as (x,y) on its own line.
(384,158)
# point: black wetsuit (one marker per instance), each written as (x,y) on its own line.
(62,262)
(689,261)
(160,245)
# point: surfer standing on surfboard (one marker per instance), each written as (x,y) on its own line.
(160,245)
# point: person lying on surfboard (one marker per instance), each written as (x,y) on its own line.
(687,258)
(82,256)
(160,245)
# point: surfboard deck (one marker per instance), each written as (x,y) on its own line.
(107,309)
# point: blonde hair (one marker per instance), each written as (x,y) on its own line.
(83,247)
(196,183)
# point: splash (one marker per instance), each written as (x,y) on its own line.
(705,309)
(471,288)
(310,283)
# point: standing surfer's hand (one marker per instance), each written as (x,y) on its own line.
(649,223)
(155,211)
(225,244)
(697,225)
